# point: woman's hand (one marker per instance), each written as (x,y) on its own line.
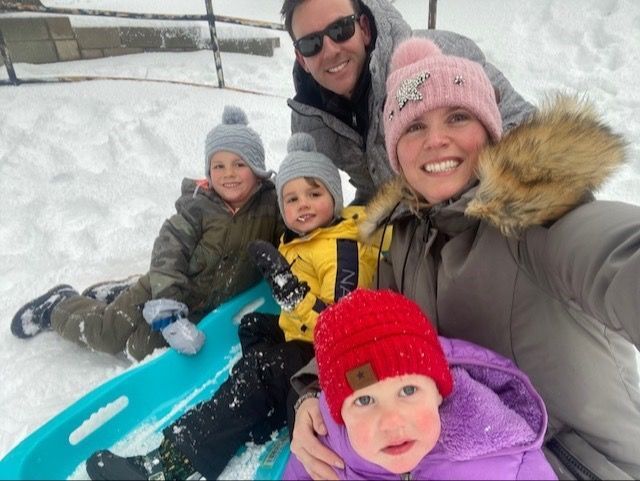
(316,458)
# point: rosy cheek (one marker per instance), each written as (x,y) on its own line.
(289,216)
(360,436)
(427,423)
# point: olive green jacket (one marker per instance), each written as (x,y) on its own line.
(199,258)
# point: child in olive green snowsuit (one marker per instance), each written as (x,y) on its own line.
(199,258)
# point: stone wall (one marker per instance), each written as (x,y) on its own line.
(8,3)
(53,39)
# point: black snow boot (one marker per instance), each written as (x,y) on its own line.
(35,316)
(107,291)
(165,462)
(106,465)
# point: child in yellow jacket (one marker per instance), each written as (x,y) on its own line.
(319,261)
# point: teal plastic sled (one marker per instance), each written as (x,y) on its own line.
(146,398)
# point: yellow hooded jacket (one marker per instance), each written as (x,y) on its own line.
(333,263)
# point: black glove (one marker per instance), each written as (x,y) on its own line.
(287,289)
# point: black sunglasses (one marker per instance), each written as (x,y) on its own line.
(339,31)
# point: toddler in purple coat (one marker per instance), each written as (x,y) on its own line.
(398,401)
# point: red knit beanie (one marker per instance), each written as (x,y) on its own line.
(369,336)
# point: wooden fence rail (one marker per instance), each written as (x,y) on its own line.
(22,7)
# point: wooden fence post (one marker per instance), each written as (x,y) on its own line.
(4,52)
(433,7)
(214,42)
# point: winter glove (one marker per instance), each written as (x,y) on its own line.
(288,291)
(170,318)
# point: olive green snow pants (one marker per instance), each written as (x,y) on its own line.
(110,328)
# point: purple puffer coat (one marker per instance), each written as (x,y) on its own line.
(493,425)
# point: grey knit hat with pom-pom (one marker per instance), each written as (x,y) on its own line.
(303,160)
(233,135)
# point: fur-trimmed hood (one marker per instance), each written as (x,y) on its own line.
(538,171)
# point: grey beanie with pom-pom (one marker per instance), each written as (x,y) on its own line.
(233,135)
(303,160)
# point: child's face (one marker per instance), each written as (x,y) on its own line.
(231,178)
(307,205)
(395,422)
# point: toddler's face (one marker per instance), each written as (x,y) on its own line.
(395,422)
(232,178)
(306,205)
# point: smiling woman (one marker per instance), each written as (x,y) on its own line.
(444,111)
(494,249)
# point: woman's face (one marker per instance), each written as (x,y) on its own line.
(438,152)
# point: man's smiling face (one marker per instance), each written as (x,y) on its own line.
(337,67)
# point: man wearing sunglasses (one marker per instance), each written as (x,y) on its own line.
(342,50)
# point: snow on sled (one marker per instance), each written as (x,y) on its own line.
(133,408)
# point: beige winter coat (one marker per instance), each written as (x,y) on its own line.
(527,264)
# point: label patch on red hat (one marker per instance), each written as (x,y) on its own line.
(361,376)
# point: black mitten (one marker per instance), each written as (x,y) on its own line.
(287,289)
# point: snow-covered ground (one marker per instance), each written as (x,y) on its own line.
(88,171)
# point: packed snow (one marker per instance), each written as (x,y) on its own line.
(89,170)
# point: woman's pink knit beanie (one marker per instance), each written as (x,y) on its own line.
(422,78)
